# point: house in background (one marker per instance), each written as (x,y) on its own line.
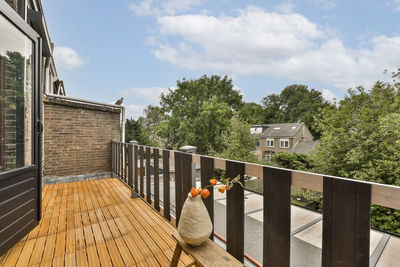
(282,137)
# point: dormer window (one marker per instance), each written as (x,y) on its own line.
(270,143)
(284,143)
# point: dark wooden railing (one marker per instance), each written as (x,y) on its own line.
(346,209)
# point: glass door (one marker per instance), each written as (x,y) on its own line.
(20,183)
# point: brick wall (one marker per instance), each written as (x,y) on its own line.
(77,138)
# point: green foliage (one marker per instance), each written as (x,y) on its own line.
(199,112)
(295,103)
(134,130)
(293,161)
(239,143)
(361,138)
(385,219)
(252,113)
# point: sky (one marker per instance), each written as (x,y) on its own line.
(138,49)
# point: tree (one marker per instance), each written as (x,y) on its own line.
(295,103)
(361,140)
(239,143)
(198,112)
(153,117)
(252,113)
(134,130)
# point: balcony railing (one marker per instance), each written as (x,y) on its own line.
(346,202)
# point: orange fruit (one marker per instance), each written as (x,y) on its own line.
(213,181)
(205,193)
(221,189)
(194,192)
(227,187)
(199,189)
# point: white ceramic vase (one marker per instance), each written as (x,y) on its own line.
(195,225)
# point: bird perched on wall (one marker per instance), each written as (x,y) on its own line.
(119,102)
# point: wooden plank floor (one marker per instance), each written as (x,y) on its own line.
(95,223)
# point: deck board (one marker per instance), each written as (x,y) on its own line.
(95,223)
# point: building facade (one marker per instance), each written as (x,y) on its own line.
(282,137)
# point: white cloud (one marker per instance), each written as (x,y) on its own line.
(133,111)
(67,58)
(157,8)
(323,4)
(286,7)
(257,42)
(329,96)
(150,94)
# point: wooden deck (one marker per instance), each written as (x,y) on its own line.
(95,223)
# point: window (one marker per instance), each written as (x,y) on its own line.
(268,155)
(16,75)
(270,143)
(257,143)
(284,143)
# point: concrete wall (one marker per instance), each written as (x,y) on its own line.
(77,139)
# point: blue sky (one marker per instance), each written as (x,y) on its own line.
(137,49)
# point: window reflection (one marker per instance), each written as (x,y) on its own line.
(15,97)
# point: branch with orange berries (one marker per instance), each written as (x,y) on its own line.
(227,184)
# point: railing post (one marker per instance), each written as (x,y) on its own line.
(346,223)
(130,165)
(206,173)
(156,180)
(166,178)
(235,212)
(148,176)
(141,154)
(276,201)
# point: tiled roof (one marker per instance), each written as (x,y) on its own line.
(304,147)
(281,130)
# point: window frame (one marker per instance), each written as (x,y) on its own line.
(284,140)
(270,140)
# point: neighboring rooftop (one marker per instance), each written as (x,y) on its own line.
(304,147)
(281,130)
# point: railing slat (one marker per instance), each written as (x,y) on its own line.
(141,153)
(166,198)
(346,223)
(148,176)
(135,172)
(117,159)
(156,180)
(235,212)
(276,241)
(178,162)
(126,163)
(206,173)
(130,166)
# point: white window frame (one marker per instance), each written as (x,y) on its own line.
(268,155)
(284,142)
(271,141)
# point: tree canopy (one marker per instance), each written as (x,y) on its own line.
(198,112)
(239,143)
(295,103)
(361,137)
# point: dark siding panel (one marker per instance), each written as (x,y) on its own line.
(16,213)
(346,223)
(235,212)
(276,241)
(18,188)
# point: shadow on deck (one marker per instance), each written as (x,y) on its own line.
(95,223)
